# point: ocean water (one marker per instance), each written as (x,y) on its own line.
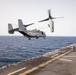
(14,49)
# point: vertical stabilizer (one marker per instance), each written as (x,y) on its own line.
(10,29)
(21,26)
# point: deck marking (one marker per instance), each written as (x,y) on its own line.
(70,56)
(16,71)
(45,63)
(65,60)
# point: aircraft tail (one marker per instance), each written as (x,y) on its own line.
(10,29)
(21,26)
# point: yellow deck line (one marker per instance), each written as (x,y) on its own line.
(43,64)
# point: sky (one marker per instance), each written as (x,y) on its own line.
(35,10)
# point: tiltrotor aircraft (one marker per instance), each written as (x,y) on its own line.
(28,33)
(33,33)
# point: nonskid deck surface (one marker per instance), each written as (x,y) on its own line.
(58,62)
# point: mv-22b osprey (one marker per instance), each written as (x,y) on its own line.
(28,33)
(33,33)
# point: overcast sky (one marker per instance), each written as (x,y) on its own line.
(34,10)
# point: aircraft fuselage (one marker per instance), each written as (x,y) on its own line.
(33,33)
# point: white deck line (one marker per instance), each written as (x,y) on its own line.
(65,60)
(70,56)
(16,71)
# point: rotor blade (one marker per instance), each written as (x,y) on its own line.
(50,17)
(44,20)
(57,17)
(28,24)
(49,13)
